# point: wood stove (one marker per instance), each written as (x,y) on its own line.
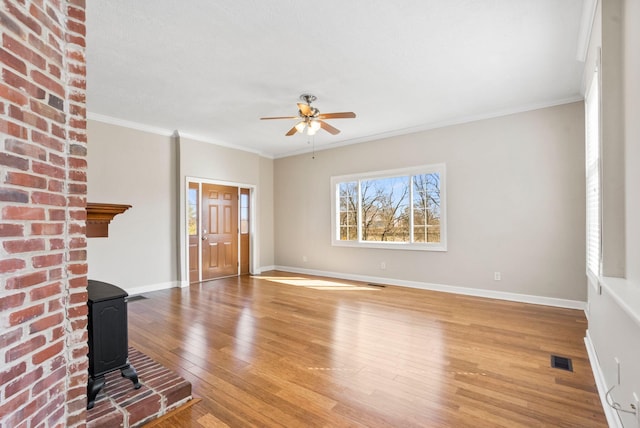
(108,337)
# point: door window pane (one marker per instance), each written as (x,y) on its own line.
(244,213)
(192,211)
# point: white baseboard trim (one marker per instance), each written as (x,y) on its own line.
(155,287)
(264,269)
(613,419)
(490,294)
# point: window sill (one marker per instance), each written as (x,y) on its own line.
(625,293)
(390,245)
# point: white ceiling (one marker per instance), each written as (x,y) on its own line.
(211,69)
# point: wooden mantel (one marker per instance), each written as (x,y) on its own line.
(99,216)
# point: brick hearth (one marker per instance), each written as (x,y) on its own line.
(120,405)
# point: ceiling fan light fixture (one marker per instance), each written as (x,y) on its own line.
(300,126)
(315,125)
(309,118)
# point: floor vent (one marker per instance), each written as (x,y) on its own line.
(561,363)
(375,285)
(136,297)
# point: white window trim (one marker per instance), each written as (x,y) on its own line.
(422,246)
(593,158)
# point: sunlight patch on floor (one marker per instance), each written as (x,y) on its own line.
(316,284)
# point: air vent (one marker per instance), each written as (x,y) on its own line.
(561,363)
(136,297)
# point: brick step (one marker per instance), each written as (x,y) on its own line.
(120,405)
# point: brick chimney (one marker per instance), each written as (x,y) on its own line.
(43,268)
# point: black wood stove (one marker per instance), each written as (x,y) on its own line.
(108,337)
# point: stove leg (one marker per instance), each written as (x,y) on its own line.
(130,373)
(94,386)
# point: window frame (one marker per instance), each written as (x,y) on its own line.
(439,168)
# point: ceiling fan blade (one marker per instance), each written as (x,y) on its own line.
(279,117)
(305,109)
(291,132)
(330,129)
(341,115)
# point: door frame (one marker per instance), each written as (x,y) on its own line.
(184,234)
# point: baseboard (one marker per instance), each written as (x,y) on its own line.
(154,287)
(490,294)
(264,269)
(612,416)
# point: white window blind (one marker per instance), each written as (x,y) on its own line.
(592,158)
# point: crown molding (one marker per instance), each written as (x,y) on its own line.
(435,125)
(165,132)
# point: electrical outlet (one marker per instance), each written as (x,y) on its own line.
(497,276)
(617,370)
(383,265)
(305,259)
(636,407)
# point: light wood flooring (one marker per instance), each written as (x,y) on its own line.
(284,350)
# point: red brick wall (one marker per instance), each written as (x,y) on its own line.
(43,311)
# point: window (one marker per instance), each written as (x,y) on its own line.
(401,209)
(592,169)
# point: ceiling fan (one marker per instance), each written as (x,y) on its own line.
(311,118)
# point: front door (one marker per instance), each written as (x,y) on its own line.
(219,233)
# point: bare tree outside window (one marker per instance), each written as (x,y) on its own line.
(426,208)
(349,211)
(370,197)
(384,208)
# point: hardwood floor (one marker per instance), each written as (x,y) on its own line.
(283,350)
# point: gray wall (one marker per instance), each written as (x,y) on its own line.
(148,170)
(631,72)
(516,197)
(135,168)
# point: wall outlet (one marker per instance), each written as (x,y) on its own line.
(383,265)
(617,370)
(497,276)
(636,406)
(305,259)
